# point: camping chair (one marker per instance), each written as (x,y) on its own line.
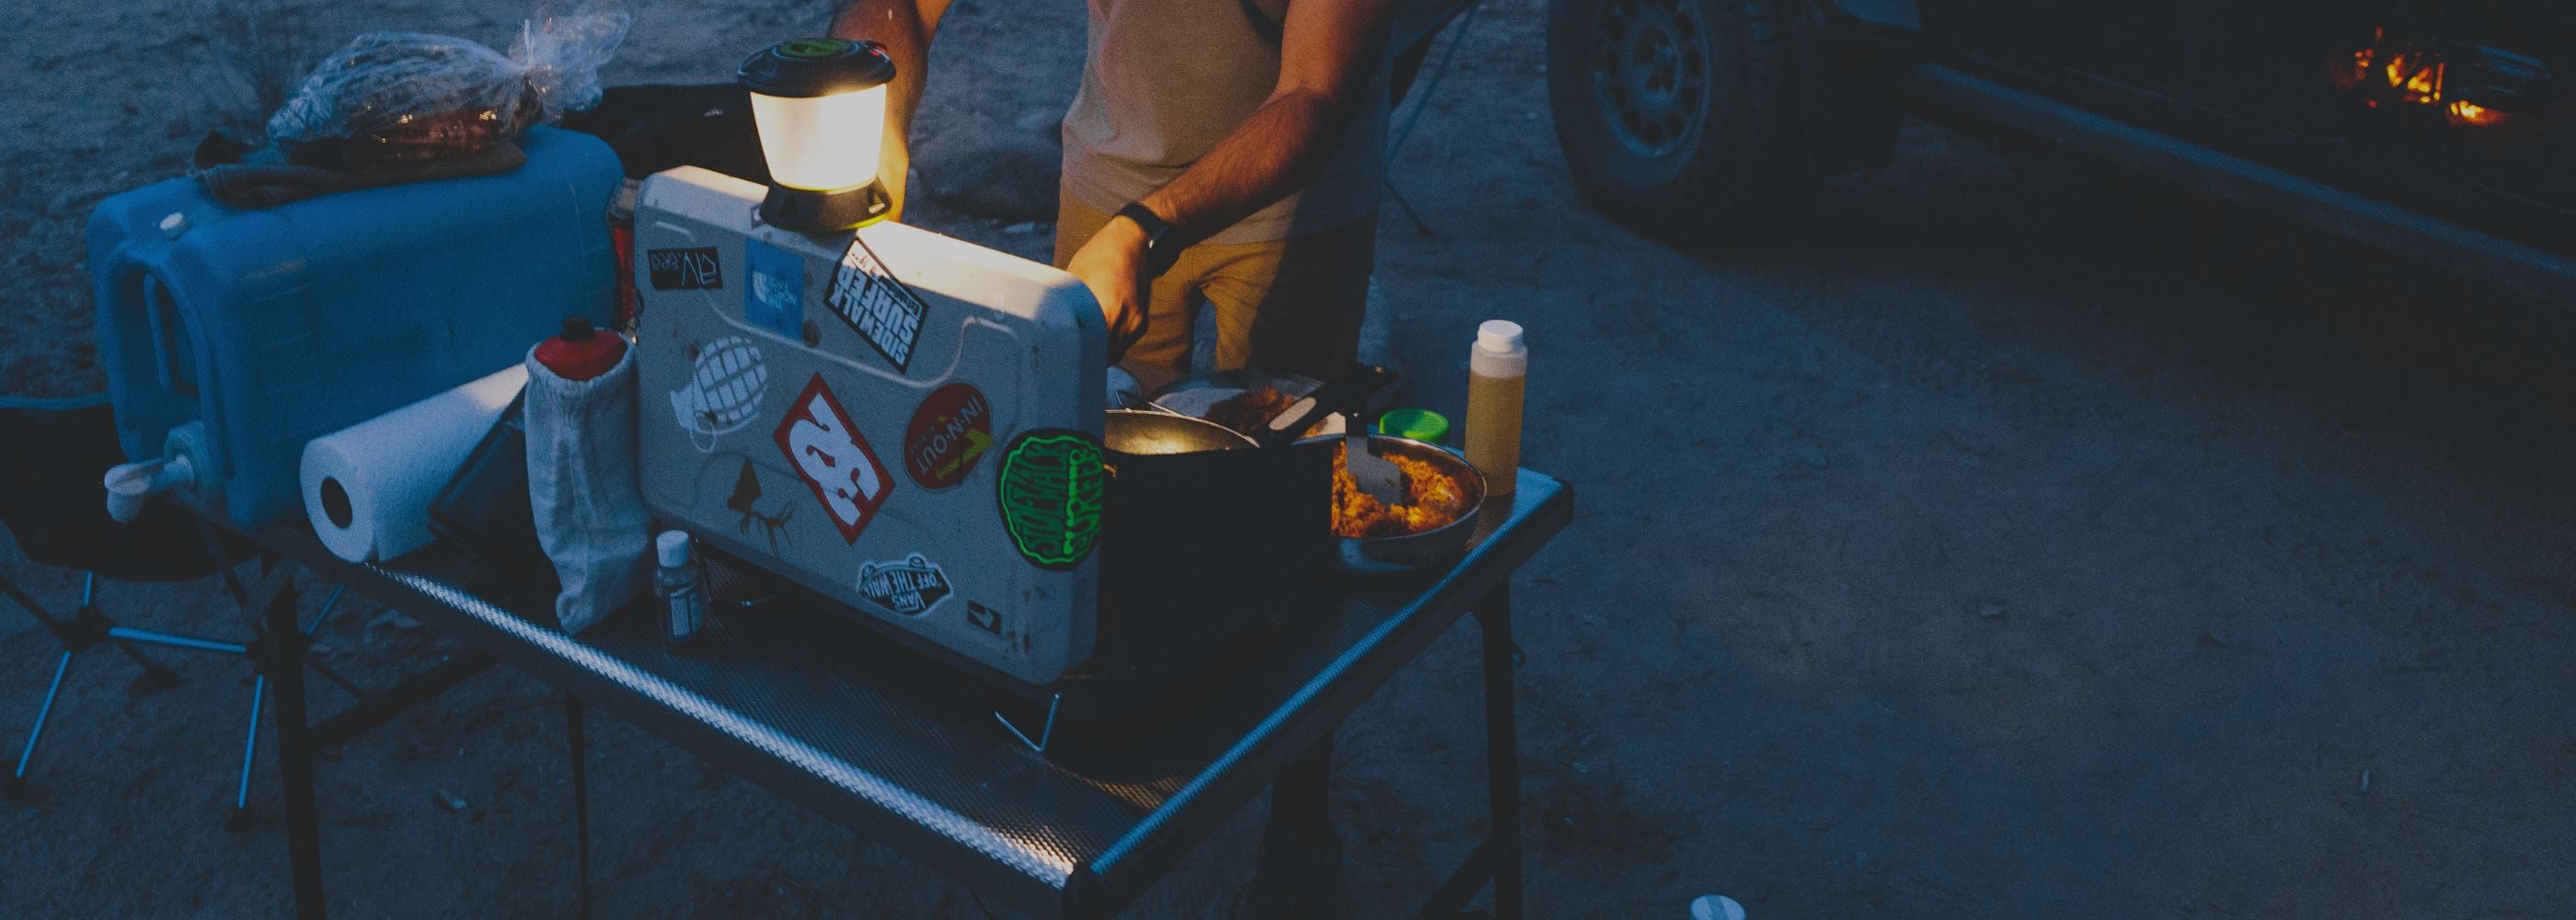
(52,456)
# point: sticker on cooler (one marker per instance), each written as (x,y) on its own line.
(909,586)
(726,381)
(882,310)
(745,501)
(1050,490)
(692,269)
(775,298)
(950,430)
(827,452)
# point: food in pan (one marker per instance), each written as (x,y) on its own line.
(1247,411)
(1433,498)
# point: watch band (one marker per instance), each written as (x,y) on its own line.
(1162,245)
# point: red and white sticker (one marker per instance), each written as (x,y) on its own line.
(834,461)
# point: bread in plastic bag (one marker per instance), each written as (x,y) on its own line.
(410,96)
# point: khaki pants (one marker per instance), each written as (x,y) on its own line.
(1289,305)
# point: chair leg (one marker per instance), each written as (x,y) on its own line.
(161,677)
(250,752)
(323,613)
(27,755)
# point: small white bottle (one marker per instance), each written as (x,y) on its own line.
(1497,369)
(683,591)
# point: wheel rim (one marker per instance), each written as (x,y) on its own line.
(1649,72)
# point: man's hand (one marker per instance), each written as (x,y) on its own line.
(1112,264)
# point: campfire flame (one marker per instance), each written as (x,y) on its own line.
(2410,76)
(2464,112)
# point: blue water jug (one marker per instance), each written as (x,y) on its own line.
(240,334)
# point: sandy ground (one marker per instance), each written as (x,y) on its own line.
(2012,541)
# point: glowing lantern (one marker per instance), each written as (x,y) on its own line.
(820,104)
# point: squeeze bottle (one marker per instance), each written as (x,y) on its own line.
(1497,367)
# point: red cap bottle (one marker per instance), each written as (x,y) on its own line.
(580,353)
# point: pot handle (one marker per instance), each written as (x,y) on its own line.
(1347,390)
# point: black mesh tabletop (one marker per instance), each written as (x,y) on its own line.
(896,745)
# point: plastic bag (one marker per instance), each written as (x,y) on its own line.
(409,96)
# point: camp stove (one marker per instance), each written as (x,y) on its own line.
(907,424)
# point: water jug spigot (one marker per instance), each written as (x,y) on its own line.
(128,484)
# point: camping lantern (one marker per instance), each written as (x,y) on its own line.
(821,107)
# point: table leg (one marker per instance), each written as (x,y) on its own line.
(1300,870)
(1502,752)
(284,643)
(580,744)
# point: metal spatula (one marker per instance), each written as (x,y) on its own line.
(1375,475)
(1346,392)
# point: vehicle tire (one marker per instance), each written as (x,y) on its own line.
(1680,117)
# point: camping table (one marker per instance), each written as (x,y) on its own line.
(909,753)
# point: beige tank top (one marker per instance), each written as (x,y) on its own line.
(1167,79)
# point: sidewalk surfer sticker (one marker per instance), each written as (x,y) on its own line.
(694,269)
(909,587)
(949,432)
(726,380)
(883,311)
(833,460)
(1050,491)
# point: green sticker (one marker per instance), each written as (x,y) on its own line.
(809,48)
(1050,490)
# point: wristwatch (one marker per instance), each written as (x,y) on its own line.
(1162,240)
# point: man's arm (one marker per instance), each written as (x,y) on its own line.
(905,28)
(1327,50)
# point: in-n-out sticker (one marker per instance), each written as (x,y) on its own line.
(1050,491)
(950,430)
(775,298)
(883,311)
(693,269)
(726,380)
(909,586)
(834,461)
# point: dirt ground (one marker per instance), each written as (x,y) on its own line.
(2013,540)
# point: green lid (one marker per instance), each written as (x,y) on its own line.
(1418,424)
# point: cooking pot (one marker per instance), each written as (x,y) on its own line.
(1207,533)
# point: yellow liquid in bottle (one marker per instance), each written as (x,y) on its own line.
(1493,439)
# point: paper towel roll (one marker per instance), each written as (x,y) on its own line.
(367,487)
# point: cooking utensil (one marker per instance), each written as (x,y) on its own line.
(1347,391)
(1372,555)
(1375,475)
(1197,395)
(1351,388)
